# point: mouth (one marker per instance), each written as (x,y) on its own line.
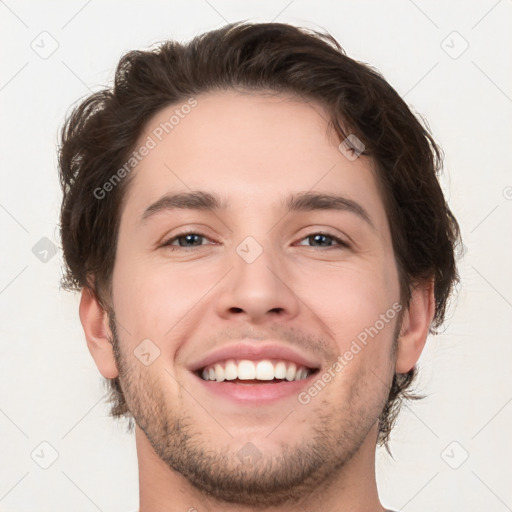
(247,381)
(247,371)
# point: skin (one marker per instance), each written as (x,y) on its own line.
(254,149)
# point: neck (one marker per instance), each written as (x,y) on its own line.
(352,487)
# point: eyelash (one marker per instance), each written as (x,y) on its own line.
(342,244)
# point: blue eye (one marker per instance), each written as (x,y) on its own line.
(325,240)
(185,241)
(190,240)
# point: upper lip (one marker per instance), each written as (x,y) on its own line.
(250,351)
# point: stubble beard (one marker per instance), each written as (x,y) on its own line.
(216,471)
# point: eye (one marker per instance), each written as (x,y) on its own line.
(185,241)
(189,240)
(324,240)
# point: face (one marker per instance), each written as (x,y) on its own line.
(277,273)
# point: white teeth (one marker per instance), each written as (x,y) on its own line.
(261,370)
(231,370)
(219,373)
(280,370)
(265,370)
(246,370)
(291,372)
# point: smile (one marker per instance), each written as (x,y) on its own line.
(247,370)
(261,382)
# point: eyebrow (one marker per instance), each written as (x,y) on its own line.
(298,202)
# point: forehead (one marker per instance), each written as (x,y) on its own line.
(251,148)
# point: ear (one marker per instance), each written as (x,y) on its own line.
(94,321)
(415,326)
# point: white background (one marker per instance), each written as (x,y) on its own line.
(50,389)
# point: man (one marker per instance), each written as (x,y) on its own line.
(262,245)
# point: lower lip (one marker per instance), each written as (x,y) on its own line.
(256,393)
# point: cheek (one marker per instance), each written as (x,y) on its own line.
(134,299)
(360,307)
(349,298)
(151,297)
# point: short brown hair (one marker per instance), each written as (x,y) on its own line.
(102,130)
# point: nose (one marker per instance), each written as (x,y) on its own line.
(258,291)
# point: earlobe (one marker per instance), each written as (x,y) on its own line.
(94,321)
(415,326)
